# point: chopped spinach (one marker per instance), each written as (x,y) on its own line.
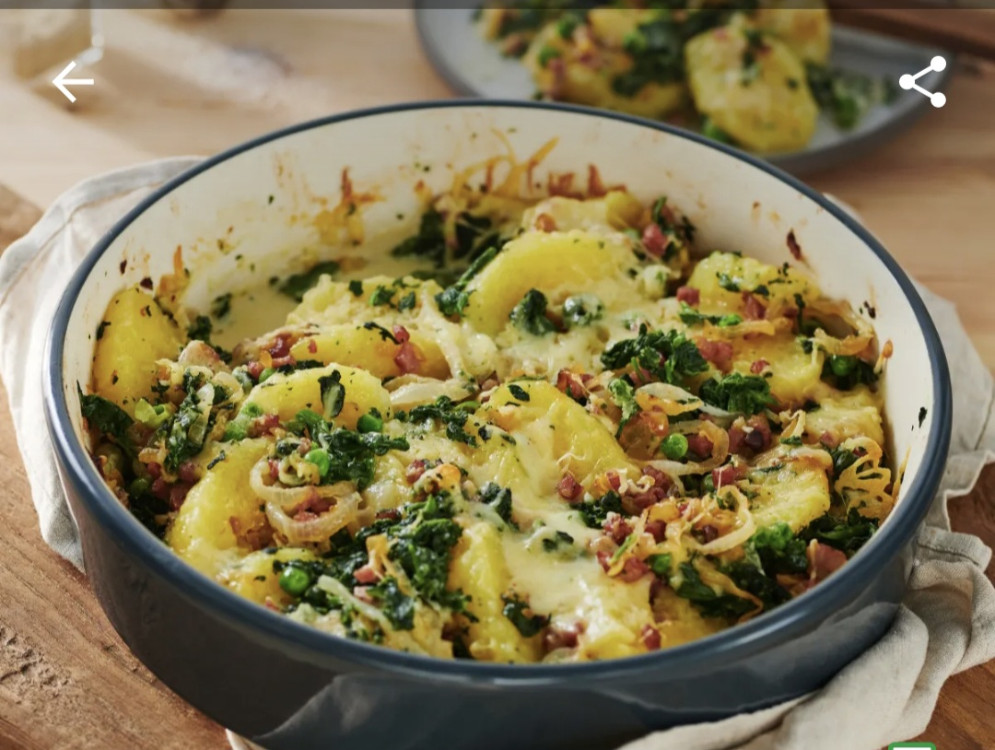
(525,621)
(704,597)
(692,317)
(845,534)
(743,394)
(297,284)
(332,394)
(595,511)
(449,413)
(454,298)
(667,355)
(529,315)
(498,498)
(395,604)
(109,419)
(429,243)
(624,396)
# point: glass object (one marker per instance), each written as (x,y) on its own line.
(39,42)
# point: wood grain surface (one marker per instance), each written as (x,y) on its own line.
(169,87)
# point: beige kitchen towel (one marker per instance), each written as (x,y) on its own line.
(946,623)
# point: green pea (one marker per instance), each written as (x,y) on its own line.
(660,564)
(369,423)
(295,581)
(674,446)
(139,487)
(320,458)
(842,365)
(730,320)
(235,430)
(266,374)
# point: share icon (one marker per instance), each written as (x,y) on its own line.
(908,82)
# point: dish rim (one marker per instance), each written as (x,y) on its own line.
(738,641)
(807,159)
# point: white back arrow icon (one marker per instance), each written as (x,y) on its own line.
(61,82)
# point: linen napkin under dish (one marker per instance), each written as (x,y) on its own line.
(946,622)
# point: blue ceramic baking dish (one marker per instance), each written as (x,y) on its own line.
(289,687)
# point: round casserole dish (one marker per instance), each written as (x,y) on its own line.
(287,686)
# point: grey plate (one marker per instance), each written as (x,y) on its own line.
(475,67)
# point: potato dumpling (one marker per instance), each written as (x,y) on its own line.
(797,493)
(723,277)
(555,263)
(584,72)
(287,394)
(805,30)
(220,511)
(134,334)
(752,87)
(360,346)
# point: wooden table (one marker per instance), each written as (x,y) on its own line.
(171,87)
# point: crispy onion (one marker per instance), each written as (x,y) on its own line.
(720,449)
(678,401)
(411,390)
(744,530)
(280,500)
(848,346)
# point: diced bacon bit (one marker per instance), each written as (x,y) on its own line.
(793,246)
(274,469)
(688,294)
(614,480)
(753,308)
(392,514)
(638,501)
(758,366)
(255,369)
(708,533)
(236,525)
(401,334)
(559,636)
(312,346)
(160,488)
(408,359)
(569,488)
(312,506)
(271,605)
(654,240)
(658,529)
(305,446)
(264,425)
(366,575)
(719,353)
(177,494)
(154,469)
(790,312)
(284,361)
(280,347)
(700,445)
(616,527)
(604,559)
(759,439)
(828,439)
(415,470)
(651,637)
(823,560)
(726,475)
(737,439)
(633,570)
(188,472)
(545,223)
(571,384)
(362,593)
(258,537)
